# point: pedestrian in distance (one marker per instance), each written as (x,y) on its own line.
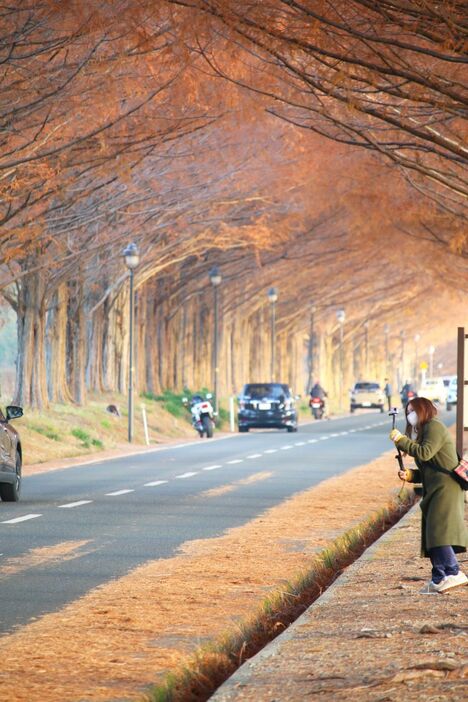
(388,393)
(443,529)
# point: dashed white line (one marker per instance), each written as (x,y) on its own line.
(185,475)
(70,505)
(324,438)
(154,483)
(343,433)
(236,460)
(16,520)
(271,451)
(334,434)
(285,448)
(212,467)
(300,443)
(312,441)
(118,492)
(255,455)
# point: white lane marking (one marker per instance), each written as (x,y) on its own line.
(334,434)
(300,443)
(351,431)
(271,451)
(16,520)
(285,448)
(324,438)
(118,492)
(155,483)
(213,467)
(255,455)
(185,475)
(75,504)
(312,441)
(236,460)
(343,433)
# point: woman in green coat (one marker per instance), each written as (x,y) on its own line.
(444,532)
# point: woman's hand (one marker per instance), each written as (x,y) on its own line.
(395,435)
(403,475)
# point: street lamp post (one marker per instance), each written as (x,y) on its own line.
(311,348)
(366,347)
(431,361)
(402,357)
(386,332)
(132,258)
(416,356)
(341,316)
(215,279)
(273,297)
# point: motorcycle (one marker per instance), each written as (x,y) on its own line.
(317,406)
(202,414)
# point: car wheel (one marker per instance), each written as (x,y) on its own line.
(11,492)
(291,429)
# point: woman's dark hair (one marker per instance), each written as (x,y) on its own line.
(425,410)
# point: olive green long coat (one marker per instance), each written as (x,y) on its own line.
(442,506)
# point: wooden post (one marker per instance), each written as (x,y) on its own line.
(462,390)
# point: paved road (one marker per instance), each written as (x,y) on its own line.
(130,510)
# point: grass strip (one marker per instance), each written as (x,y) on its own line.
(213,663)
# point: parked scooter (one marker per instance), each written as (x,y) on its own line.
(202,413)
(317,406)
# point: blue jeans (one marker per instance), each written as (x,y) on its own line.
(444,562)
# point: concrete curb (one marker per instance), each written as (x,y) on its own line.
(247,673)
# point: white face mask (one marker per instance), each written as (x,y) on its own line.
(412,418)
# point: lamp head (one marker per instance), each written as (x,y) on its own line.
(341,316)
(273,295)
(131,256)
(215,276)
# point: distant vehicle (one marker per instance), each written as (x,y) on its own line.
(407,393)
(368,395)
(434,389)
(202,413)
(452,393)
(317,406)
(263,405)
(10,456)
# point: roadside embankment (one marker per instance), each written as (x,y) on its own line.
(370,637)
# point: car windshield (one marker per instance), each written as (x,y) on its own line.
(258,391)
(367,387)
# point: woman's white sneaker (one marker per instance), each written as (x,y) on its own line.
(452,581)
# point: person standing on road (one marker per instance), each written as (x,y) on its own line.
(388,393)
(443,532)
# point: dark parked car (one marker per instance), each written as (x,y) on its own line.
(263,405)
(10,456)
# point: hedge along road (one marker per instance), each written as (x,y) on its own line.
(77,528)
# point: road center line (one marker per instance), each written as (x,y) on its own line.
(186,475)
(300,443)
(271,451)
(236,460)
(255,455)
(155,483)
(75,504)
(213,467)
(16,520)
(118,492)
(312,441)
(285,448)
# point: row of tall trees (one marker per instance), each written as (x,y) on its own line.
(197,130)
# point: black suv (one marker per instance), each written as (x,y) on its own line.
(10,456)
(263,405)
